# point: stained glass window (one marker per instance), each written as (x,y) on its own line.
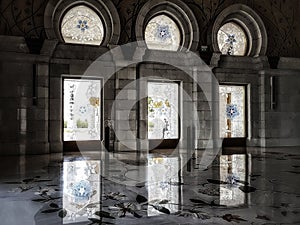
(162,33)
(163,106)
(81,190)
(81,25)
(232,111)
(82,114)
(162,179)
(232,40)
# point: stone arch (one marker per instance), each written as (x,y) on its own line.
(179,12)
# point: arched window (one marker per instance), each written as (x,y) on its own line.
(238,30)
(232,40)
(82,25)
(162,33)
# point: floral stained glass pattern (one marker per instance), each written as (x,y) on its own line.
(81,25)
(163,106)
(82,113)
(162,33)
(232,111)
(232,40)
(81,190)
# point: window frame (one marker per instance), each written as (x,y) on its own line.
(167,143)
(69,146)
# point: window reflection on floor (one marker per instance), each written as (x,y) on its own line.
(81,189)
(163,181)
(234,170)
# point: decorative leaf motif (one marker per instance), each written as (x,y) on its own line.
(197,215)
(13,182)
(26,181)
(294,172)
(95,221)
(62,213)
(232,218)
(50,210)
(104,214)
(141,199)
(242,182)
(202,216)
(140,185)
(247,189)
(255,175)
(164,202)
(198,201)
(209,191)
(115,196)
(39,200)
(175,183)
(23,189)
(161,209)
(216,181)
(40,181)
(93,205)
(54,198)
(136,215)
(262,217)
(54,205)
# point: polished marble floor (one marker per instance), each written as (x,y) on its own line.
(258,186)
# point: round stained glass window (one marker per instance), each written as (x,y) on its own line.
(232,40)
(162,33)
(81,25)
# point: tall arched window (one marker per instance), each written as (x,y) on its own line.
(162,33)
(82,25)
(232,40)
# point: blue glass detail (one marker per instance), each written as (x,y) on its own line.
(232,111)
(82,110)
(232,180)
(82,190)
(163,32)
(230,41)
(82,25)
(164,185)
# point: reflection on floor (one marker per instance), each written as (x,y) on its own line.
(259,187)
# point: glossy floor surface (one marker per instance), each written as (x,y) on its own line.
(260,186)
